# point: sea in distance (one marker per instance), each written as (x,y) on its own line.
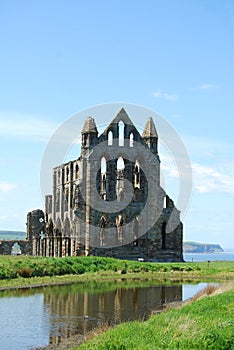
(197,257)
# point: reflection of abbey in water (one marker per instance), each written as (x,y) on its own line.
(72,226)
(75,312)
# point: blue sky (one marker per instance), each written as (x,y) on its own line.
(174,57)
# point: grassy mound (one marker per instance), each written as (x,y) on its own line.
(207,323)
(16,271)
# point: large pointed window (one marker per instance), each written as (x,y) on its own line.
(110,138)
(103,178)
(120,179)
(103,165)
(131,138)
(120,164)
(137,175)
(121,133)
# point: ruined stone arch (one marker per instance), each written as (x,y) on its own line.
(129,181)
(16,248)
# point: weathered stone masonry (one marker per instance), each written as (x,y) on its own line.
(71,226)
(6,247)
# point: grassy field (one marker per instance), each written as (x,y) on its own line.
(9,235)
(204,324)
(207,323)
(21,271)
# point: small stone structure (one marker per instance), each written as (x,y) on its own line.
(72,225)
(23,247)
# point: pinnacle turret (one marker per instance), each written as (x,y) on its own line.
(150,136)
(89,133)
(150,129)
(89,126)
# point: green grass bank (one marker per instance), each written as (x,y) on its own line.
(24,271)
(207,323)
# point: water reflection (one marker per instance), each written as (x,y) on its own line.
(51,314)
(72,313)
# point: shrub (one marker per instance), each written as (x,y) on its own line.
(78,269)
(25,272)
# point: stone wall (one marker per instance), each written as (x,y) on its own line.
(6,247)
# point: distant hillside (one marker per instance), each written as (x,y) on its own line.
(194,247)
(8,235)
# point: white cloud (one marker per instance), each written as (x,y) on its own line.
(169,167)
(206,179)
(6,187)
(210,179)
(165,95)
(25,126)
(208,86)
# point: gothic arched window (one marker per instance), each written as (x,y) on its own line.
(121,133)
(103,178)
(137,175)
(103,165)
(131,140)
(120,179)
(120,164)
(110,138)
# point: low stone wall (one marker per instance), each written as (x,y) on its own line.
(6,247)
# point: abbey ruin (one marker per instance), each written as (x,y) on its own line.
(108,201)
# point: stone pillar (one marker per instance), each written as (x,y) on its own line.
(47,246)
(55,246)
(41,246)
(34,246)
(72,250)
(111,174)
(63,243)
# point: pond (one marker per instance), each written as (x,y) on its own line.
(33,318)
